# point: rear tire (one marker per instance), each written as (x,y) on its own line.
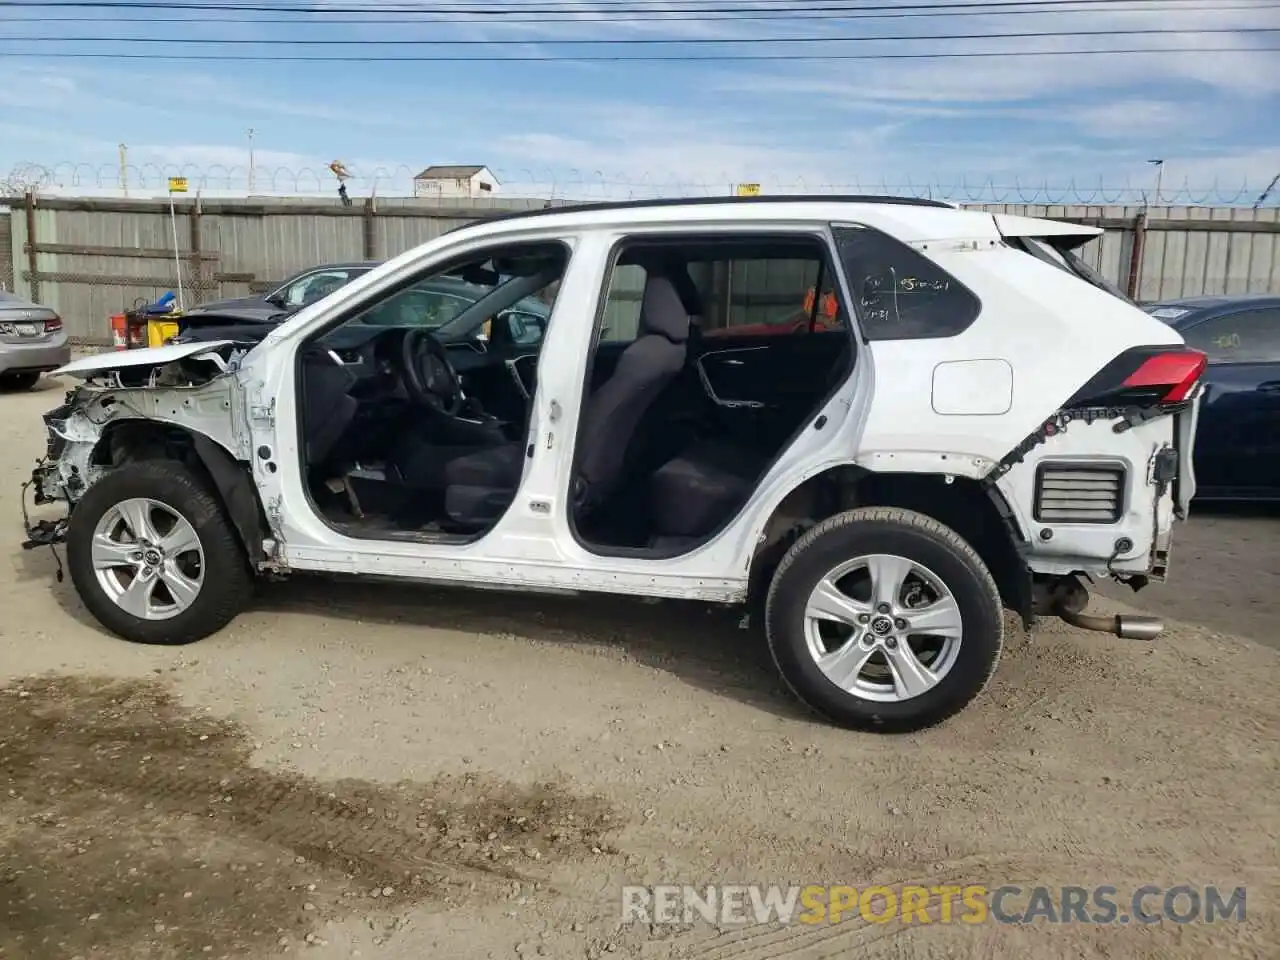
(885,620)
(191,577)
(15,382)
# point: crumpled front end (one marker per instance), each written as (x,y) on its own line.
(67,468)
(135,404)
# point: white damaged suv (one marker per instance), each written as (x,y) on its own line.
(880,420)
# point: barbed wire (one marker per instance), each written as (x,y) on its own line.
(151,179)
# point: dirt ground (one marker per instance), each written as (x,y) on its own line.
(381,771)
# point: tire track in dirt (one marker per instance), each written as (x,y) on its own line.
(857,935)
(132,827)
(773,942)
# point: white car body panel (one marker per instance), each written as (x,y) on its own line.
(1015,226)
(1012,284)
(142,357)
(883,418)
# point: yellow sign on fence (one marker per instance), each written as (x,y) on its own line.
(177,184)
(748,189)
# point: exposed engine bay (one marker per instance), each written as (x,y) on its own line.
(169,400)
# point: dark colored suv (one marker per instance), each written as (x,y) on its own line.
(302,288)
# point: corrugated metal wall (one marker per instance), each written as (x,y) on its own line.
(92,264)
(98,257)
(1237,250)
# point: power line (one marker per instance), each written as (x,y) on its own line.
(586,58)
(650,41)
(376,18)
(623,6)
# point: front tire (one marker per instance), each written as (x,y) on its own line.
(885,620)
(153,556)
(16,382)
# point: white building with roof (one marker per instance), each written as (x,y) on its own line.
(455,182)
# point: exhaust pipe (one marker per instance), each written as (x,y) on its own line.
(1128,628)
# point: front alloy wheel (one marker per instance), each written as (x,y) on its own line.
(148,559)
(154,557)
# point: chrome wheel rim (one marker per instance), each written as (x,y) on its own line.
(147,559)
(883,628)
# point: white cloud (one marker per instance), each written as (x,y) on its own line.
(1020,77)
(1135,118)
(602,129)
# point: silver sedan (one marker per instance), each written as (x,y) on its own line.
(32,342)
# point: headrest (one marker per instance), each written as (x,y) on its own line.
(661,311)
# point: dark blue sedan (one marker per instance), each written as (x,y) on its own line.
(1238,441)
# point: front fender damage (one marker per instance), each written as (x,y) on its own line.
(100,426)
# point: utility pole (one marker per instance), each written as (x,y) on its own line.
(251,170)
(1159,165)
(124,169)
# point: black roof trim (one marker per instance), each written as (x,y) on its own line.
(607,205)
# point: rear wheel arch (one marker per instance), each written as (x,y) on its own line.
(976,511)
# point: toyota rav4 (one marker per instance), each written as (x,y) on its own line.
(970,419)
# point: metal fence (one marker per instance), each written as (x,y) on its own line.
(91,258)
(1159,253)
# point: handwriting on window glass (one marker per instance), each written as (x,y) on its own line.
(909,284)
(873,285)
(1227,341)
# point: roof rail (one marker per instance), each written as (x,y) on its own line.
(607,205)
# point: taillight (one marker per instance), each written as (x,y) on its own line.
(53,325)
(1144,376)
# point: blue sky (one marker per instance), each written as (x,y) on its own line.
(607,129)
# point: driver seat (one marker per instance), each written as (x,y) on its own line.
(480,486)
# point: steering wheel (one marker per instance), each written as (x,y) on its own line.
(429,377)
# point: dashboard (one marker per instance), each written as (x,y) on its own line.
(370,356)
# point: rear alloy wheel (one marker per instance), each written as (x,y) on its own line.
(884,619)
(153,556)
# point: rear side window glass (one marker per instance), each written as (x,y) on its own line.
(900,293)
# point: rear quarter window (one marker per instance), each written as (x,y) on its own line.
(901,294)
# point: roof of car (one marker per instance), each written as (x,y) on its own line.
(908,218)
(345,265)
(342,265)
(606,206)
